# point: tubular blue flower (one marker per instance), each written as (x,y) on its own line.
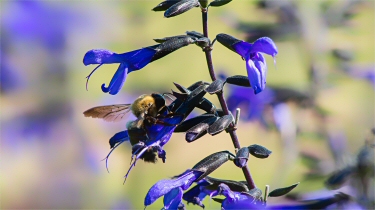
(172,189)
(197,194)
(132,61)
(255,63)
(238,200)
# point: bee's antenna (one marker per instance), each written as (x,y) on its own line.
(88,77)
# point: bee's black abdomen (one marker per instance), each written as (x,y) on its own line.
(149,156)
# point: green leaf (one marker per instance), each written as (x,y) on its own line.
(282,191)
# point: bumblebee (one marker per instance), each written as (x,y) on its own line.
(145,107)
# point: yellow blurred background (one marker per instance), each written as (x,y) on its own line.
(51,155)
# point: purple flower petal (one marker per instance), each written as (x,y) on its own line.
(138,59)
(261,65)
(101,56)
(196,194)
(117,80)
(255,76)
(173,198)
(242,48)
(237,200)
(264,45)
(165,186)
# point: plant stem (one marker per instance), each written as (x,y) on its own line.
(223,103)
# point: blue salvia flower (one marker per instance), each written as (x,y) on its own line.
(197,194)
(252,53)
(238,200)
(129,62)
(172,199)
(172,189)
(132,61)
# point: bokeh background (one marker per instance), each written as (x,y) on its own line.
(51,155)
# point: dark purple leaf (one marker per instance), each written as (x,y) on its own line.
(282,191)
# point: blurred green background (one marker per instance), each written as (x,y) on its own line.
(51,155)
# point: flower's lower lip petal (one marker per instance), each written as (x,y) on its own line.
(173,198)
(225,190)
(262,66)
(264,45)
(242,48)
(117,80)
(165,186)
(101,56)
(254,76)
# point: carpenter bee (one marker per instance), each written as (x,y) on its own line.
(145,107)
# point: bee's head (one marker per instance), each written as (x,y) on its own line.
(159,100)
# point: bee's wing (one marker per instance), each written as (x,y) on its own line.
(110,113)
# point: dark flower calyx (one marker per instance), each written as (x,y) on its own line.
(171,45)
(238,80)
(187,124)
(218,3)
(220,125)
(212,162)
(165,5)
(180,7)
(259,151)
(227,40)
(200,129)
(195,34)
(215,87)
(241,157)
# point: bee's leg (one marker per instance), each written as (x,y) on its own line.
(173,114)
(140,120)
(161,153)
(136,149)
